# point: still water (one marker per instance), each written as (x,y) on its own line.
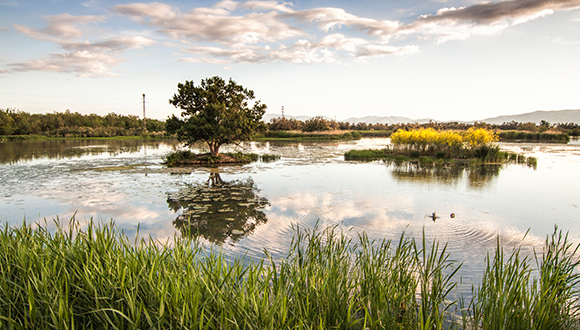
(244,209)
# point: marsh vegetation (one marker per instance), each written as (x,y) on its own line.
(428,146)
(97,278)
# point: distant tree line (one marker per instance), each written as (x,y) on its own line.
(321,124)
(74,124)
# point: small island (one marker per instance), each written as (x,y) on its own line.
(430,147)
(189,158)
(216,113)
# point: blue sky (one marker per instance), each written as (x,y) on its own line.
(443,59)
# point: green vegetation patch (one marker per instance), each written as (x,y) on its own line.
(97,278)
(534,137)
(187,157)
(483,155)
(296,135)
(266,158)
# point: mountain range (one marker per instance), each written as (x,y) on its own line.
(557,116)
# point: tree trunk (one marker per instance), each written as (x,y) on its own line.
(214,148)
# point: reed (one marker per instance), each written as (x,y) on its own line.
(75,278)
(510,297)
(534,137)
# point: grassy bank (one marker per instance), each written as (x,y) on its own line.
(97,278)
(507,136)
(298,135)
(44,137)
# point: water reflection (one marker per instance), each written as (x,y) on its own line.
(18,151)
(477,176)
(219,210)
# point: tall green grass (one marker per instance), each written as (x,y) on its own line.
(97,278)
(534,137)
(510,297)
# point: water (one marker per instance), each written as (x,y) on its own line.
(244,209)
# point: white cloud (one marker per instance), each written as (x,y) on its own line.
(4,29)
(381,51)
(231,55)
(84,58)
(283,7)
(3,71)
(62,26)
(331,18)
(214,24)
(83,63)
(266,31)
(487,18)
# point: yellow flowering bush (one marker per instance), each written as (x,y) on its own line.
(453,144)
(479,136)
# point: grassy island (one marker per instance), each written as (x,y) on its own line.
(188,158)
(428,146)
(97,278)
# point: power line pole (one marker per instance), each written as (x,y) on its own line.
(144,120)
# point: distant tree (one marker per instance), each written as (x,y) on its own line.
(316,124)
(216,113)
(284,124)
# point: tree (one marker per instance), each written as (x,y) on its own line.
(215,113)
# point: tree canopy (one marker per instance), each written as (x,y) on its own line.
(216,112)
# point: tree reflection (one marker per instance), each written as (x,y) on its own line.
(477,176)
(217,210)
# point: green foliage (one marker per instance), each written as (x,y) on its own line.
(316,124)
(368,154)
(97,278)
(186,156)
(293,135)
(269,158)
(74,124)
(216,113)
(176,156)
(440,154)
(510,298)
(284,124)
(535,137)
(355,135)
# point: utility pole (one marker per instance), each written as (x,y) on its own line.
(144,120)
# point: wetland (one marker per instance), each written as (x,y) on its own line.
(242,209)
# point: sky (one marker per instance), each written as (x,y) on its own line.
(439,59)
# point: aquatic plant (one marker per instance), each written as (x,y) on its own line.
(95,277)
(269,158)
(178,155)
(509,297)
(535,137)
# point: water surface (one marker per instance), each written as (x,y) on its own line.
(244,209)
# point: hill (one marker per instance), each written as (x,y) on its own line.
(561,116)
(557,116)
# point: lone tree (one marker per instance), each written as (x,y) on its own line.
(216,113)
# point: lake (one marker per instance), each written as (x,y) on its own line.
(243,209)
